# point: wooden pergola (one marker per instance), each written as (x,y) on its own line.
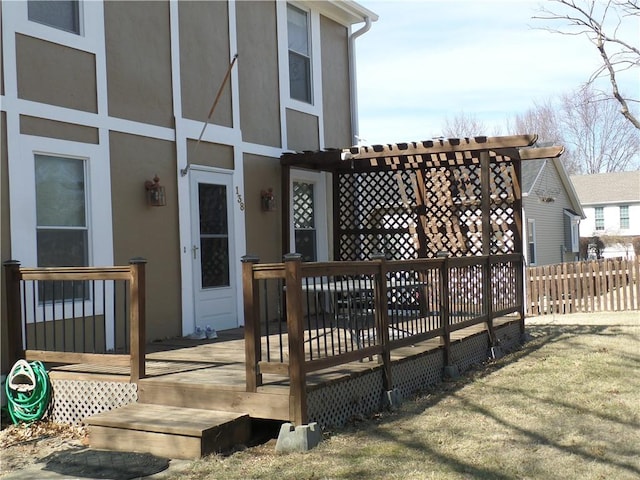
(453,197)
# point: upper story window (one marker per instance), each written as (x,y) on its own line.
(624,216)
(299,54)
(599,215)
(60,14)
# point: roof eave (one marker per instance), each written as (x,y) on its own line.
(345,12)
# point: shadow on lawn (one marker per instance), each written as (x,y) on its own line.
(538,336)
(83,462)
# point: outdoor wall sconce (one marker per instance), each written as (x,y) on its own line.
(267,200)
(155,192)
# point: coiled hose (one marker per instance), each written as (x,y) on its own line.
(28,391)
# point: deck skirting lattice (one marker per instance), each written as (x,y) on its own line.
(416,373)
(74,400)
(508,336)
(471,351)
(337,403)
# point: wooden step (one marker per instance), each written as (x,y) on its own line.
(167,431)
(269,403)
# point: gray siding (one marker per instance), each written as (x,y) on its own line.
(549,217)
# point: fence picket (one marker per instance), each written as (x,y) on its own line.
(579,290)
(594,286)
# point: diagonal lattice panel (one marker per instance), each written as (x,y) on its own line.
(502,208)
(375,215)
(422,208)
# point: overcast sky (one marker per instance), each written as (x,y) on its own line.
(424,61)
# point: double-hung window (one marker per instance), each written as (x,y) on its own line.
(299,42)
(624,217)
(531,240)
(61,217)
(60,14)
(599,215)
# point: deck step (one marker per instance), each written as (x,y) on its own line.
(166,431)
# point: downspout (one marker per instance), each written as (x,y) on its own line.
(352,79)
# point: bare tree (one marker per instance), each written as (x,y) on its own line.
(601,22)
(597,139)
(595,134)
(464,125)
(544,119)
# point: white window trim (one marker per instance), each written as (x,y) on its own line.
(531,229)
(90,15)
(628,217)
(23,208)
(596,218)
(574,221)
(319,181)
(315,107)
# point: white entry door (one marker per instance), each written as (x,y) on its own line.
(212,250)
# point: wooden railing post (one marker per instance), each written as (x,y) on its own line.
(521,270)
(137,318)
(382,319)
(445,320)
(252,334)
(487,298)
(297,372)
(15,350)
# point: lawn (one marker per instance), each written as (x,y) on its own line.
(564,406)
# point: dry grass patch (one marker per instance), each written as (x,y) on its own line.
(567,405)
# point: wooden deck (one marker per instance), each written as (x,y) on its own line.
(221,363)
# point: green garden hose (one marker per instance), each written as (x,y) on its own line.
(28,391)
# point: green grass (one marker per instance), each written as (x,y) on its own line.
(565,406)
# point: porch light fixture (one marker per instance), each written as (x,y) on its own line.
(155,192)
(267,200)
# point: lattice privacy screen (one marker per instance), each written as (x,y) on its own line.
(419,209)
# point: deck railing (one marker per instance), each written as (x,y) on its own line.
(93,315)
(303,317)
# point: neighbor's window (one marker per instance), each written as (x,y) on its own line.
(599,213)
(299,54)
(60,14)
(304,223)
(624,216)
(531,240)
(61,219)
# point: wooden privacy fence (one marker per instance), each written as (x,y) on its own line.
(303,317)
(93,315)
(596,286)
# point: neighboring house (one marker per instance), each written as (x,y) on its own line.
(552,213)
(611,203)
(98,98)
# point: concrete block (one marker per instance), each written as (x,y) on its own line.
(451,371)
(298,439)
(392,399)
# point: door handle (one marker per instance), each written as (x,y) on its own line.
(194,250)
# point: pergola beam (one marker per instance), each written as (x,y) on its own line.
(450,145)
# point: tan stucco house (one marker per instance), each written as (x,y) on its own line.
(100,98)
